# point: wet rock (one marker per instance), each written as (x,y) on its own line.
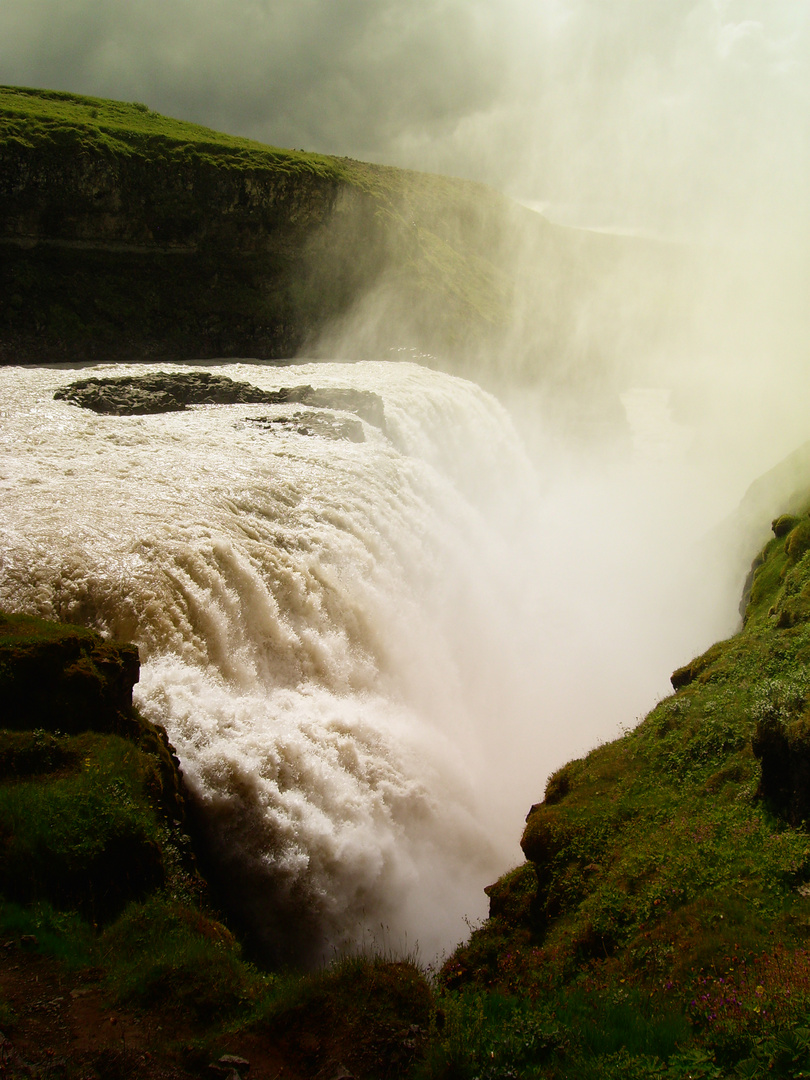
(363,403)
(232,1061)
(133,395)
(325,425)
(229,1067)
(138,395)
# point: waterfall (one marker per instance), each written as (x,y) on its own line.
(326,627)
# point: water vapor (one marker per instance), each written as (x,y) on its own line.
(444,618)
(683,116)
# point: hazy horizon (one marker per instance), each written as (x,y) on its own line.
(687,117)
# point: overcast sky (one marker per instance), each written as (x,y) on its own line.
(662,114)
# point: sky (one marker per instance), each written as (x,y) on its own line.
(671,116)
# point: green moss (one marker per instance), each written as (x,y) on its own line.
(782,525)
(87,839)
(164,953)
(798,541)
(672,867)
(512,895)
(699,668)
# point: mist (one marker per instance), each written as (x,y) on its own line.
(684,117)
(668,145)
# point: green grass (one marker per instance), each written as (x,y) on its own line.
(370,1013)
(671,916)
(61,934)
(80,124)
(167,954)
(82,836)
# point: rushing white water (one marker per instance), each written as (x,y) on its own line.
(324,627)
(369,655)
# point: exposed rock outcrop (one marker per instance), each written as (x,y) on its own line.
(132,395)
(313,423)
(100,776)
(55,675)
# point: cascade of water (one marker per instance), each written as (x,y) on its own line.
(322,624)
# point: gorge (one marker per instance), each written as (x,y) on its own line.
(380,599)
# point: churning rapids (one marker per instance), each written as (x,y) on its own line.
(326,628)
(369,645)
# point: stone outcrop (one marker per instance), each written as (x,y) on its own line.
(100,778)
(132,395)
(55,675)
(322,424)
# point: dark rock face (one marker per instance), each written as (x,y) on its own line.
(784,752)
(66,676)
(365,404)
(65,706)
(134,257)
(132,395)
(68,679)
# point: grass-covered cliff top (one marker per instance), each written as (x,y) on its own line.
(130,234)
(87,124)
(81,124)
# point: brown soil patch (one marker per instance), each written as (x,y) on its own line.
(63,1027)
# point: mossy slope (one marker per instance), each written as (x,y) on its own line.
(91,803)
(127,234)
(670,869)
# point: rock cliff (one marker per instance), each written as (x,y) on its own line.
(127,236)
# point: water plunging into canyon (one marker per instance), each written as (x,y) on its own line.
(368,651)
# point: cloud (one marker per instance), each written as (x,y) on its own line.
(663,115)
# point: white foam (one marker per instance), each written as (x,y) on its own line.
(320,623)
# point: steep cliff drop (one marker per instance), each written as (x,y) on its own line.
(322,622)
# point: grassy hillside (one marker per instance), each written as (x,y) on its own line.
(118,221)
(128,235)
(660,924)
(97,125)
